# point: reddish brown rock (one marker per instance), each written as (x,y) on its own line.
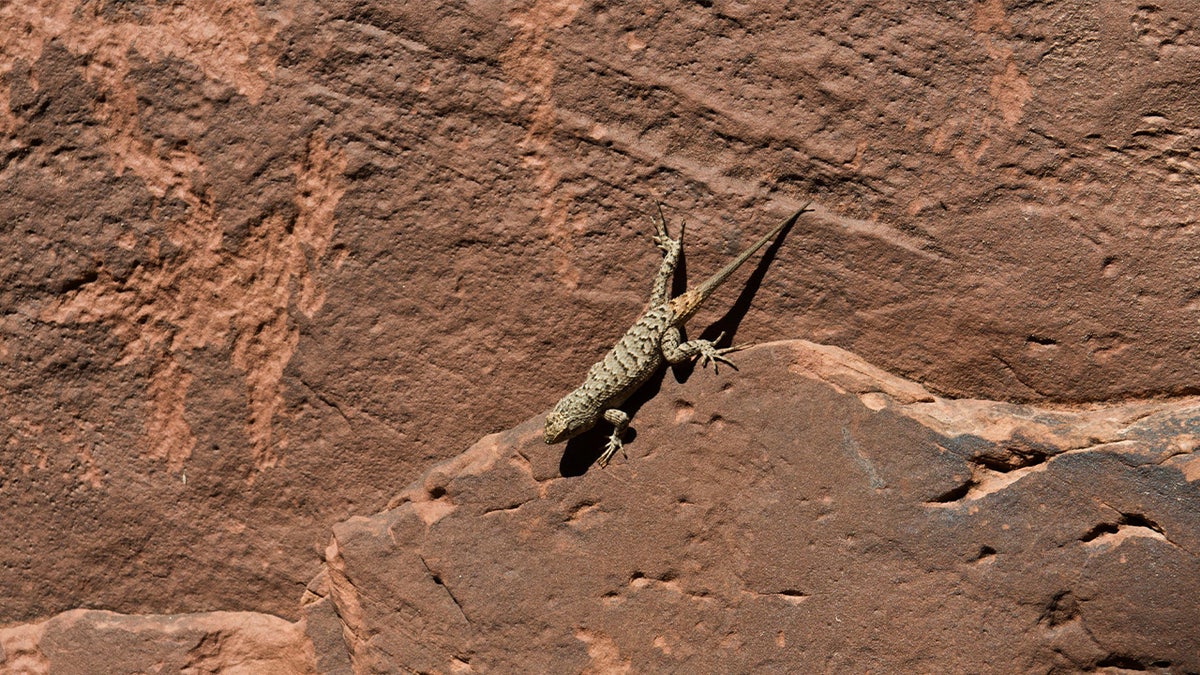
(808,513)
(264,263)
(86,642)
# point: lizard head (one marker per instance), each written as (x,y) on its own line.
(560,425)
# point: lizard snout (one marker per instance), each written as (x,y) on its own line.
(556,428)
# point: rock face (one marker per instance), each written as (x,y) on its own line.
(265,263)
(86,642)
(809,513)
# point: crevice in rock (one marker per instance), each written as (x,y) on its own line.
(508,508)
(1023,381)
(1014,454)
(954,494)
(88,277)
(437,579)
(1127,525)
(995,467)
(1062,608)
(791,594)
(985,552)
(1140,520)
(1132,663)
(1098,531)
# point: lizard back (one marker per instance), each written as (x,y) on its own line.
(630,362)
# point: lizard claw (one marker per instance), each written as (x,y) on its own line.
(709,353)
(715,356)
(662,239)
(614,444)
(665,243)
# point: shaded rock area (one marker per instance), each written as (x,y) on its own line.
(807,514)
(90,642)
(265,263)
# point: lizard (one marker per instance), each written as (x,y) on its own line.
(655,337)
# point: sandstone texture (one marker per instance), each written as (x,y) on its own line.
(265,264)
(92,642)
(810,513)
(807,514)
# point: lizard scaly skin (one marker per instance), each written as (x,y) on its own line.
(655,337)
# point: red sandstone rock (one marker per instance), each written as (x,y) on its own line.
(808,513)
(89,642)
(262,264)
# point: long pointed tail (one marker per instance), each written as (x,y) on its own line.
(690,301)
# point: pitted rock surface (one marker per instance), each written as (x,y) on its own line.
(265,262)
(809,512)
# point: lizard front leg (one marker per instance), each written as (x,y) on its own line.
(620,421)
(675,351)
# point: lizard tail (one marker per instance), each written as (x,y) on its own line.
(687,303)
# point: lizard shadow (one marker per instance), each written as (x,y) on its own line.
(582,451)
(732,319)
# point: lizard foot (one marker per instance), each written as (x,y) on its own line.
(614,444)
(666,244)
(710,354)
(662,240)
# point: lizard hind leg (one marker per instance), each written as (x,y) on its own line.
(671,248)
(620,421)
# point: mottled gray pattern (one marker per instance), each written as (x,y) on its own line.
(652,339)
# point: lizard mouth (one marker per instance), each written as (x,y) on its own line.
(556,429)
(559,427)
(553,436)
